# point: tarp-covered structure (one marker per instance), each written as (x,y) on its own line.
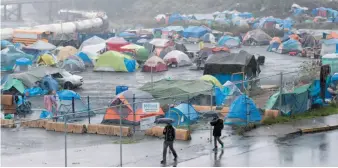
(290,46)
(13,83)
(183,115)
(177,58)
(131,111)
(115,61)
(222,66)
(182,89)
(9,57)
(154,64)
(256,37)
(229,41)
(194,32)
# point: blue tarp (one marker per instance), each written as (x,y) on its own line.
(242,107)
(5,43)
(49,84)
(45,114)
(9,57)
(194,31)
(208,38)
(127,34)
(23,61)
(222,78)
(35,91)
(176,17)
(274,46)
(291,45)
(183,114)
(68,95)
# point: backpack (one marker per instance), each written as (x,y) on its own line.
(170,134)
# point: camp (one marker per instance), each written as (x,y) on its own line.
(183,115)
(116,62)
(131,112)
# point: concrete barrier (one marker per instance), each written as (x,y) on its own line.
(318,129)
(181,134)
(34,124)
(112,130)
(7,123)
(71,127)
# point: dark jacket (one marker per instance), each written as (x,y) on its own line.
(218,126)
(169,133)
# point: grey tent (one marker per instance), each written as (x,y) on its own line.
(256,37)
(41,45)
(92,41)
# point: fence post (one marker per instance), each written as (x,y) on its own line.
(88,109)
(134,112)
(281,93)
(120,112)
(188,114)
(211,97)
(65,133)
(73,106)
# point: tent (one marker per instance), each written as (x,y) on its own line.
(41,46)
(274,44)
(183,115)
(154,64)
(115,61)
(92,41)
(212,80)
(222,66)
(115,44)
(126,34)
(227,95)
(132,47)
(209,38)
(22,64)
(46,59)
(159,42)
(308,41)
(256,37)
(85,58)
(9,57)
(65,105)
(162,52)
(175,18)
(13,83)
(329,46)
(182,89)
(142,54)
(72,65)
(230,42)
(242,111)
(65,52)
(332,60)
(177,58)
(194,32)
(290,46)
(5,43)
(49,83)
(131,112)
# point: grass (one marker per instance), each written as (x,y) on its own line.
(321,112)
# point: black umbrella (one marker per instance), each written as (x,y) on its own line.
(165,121)
(210,114)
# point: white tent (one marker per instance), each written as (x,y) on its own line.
(177,57)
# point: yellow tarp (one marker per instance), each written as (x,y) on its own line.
(212,80)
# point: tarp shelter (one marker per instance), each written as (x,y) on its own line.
(329,46)
(115,44)
(256,37)
(177,58)
(92,41)
(212,80)
(332,60)
(9,57)
(290,46)
(168,29)
(182,89)
(159,42)
(274,44)
(222,66)
(229,41)
(72,65)
(297,101)
(41,46)
(115,61)
(85,58)
(14,83)
(154,64)
(46,59)
(194,32)
(209,38)
(65,105)
(242,111)
(22,64)
(65,52)
(131,111)
(183,115)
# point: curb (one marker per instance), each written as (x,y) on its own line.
(318,129)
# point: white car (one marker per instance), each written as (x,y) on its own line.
(68,80)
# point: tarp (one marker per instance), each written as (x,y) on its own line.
(126,34)
(242,108)
(175,18)
(17,84)
(9,57)
(182,89)
(274,44)
(329,46)
(92,41)
(177,57)
(173,28)
(308,41)
(41,45)
(230,42)
(50,84)
(290,46)
(209,38)
(159,42)
(258,36)
(194,32)
(115,61)
(154,64)
(5,43)
(183,115)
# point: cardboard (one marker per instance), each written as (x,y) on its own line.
(7,123)
(181,134)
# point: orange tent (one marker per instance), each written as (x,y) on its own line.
(129,116)
(332,35)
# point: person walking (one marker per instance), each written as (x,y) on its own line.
(169,137)
(218,125)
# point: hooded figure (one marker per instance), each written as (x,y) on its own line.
(218,125)
(169,137)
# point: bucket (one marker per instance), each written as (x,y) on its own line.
(120,89)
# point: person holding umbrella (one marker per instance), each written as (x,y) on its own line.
(169,137)
(218,125)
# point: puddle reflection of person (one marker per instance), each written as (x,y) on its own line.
(217,161)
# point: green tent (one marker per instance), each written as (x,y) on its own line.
(17,84)
(142,54)
(178,90)
(115,61)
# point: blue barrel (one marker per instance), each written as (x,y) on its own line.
(120,89)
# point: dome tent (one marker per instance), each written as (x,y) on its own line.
(154,64)
(72,65)
(9,57)
(183,115)
(65,52)
(116,62)
(229,41)
(85,58)
(46,59)
(22,64)
(177,58)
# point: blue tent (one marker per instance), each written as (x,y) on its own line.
(194,31)
(127,34)
(290,46)
(183,114)
(85,58)
(68,95)
(238,112)
(50,84)
(176,17)
(5,43)
(273,46)
(229,41)
(9,57)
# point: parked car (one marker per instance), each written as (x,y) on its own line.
(68,80)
